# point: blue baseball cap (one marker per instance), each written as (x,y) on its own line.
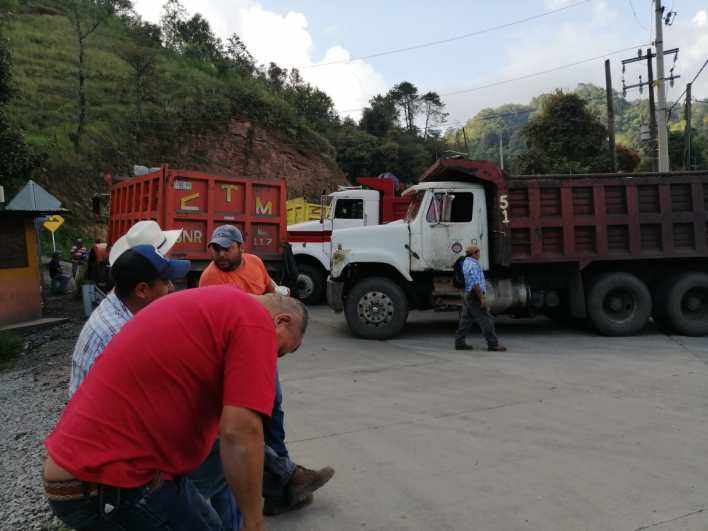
(166,268)
(225,236)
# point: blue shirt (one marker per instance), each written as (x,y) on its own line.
(473,275)
(105,322)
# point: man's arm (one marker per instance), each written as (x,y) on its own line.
(241,432)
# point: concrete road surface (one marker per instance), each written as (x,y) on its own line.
(566,431)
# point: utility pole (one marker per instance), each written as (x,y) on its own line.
(467,148)
(652,113)
(501,150)
(664,164)
(610,117)
(687,134)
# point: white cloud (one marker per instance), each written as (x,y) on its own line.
(286,40)
(570,42)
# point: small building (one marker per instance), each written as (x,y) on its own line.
(20,274)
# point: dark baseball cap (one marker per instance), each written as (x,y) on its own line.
(225,236)
(144,263)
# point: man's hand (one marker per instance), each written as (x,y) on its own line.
(241,432)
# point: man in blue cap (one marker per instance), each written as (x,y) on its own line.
(141,275)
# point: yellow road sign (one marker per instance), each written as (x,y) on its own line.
(52,223)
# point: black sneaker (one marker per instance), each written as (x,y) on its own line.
(463,346)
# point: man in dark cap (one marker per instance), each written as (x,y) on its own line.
(286,485)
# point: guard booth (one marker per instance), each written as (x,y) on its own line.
(20,273)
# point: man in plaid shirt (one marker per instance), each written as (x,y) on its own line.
(474,304)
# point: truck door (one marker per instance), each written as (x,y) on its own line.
(453,220)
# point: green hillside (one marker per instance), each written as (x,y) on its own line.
(132,116)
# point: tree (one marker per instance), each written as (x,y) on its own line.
(238,56)
(16,159)
(433,108)
(405,95)
(85,17)
(564,137)
(173,15)
(380,117)
(627,158)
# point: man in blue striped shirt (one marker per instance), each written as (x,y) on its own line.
(474,304)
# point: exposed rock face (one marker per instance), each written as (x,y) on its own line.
(251,151)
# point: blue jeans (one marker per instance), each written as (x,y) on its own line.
(278,468)
(173,505)
(209,480)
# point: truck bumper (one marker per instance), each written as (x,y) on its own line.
(334,295)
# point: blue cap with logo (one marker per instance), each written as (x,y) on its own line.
(166,268)
(225,236)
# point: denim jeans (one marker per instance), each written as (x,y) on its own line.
(173,505)
(278,468)
(209,480)
(472,312)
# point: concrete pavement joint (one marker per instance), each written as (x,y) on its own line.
(692,513)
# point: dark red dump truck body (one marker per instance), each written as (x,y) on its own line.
(583,219)
(199,202)
(392,207)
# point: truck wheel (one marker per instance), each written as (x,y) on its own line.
(618,304)
(376,308)
(682,304)
(309,286)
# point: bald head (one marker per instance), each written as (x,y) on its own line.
(290,317)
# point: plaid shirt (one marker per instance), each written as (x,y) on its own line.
(105,322)
(473,275)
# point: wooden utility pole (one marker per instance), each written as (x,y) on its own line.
(610,117)
(467,148)
(687,134)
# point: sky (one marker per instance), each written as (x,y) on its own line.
(341,46)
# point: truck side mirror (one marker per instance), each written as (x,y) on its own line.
(446,214)
(322,207)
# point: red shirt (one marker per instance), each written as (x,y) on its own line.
(251,275)
(153,400)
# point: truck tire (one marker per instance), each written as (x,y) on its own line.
(618,304)
(682,304)
(376,308)
(309,286)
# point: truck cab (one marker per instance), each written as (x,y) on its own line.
(373,203)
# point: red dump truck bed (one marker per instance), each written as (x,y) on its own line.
(393,206)
(608,217)
(199,202)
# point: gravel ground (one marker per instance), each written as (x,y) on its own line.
(33,394)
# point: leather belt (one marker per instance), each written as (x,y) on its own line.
(71,489)
(74,489)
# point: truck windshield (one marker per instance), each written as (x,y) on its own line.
(414,206)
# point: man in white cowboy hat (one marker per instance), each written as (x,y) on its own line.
(144,232)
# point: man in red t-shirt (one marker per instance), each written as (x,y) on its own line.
(191,366)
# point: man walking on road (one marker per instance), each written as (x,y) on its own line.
(474,304)
(286,485)
(191,366)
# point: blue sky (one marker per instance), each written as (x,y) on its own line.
(307,32)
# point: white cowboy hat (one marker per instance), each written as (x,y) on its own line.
(144,232)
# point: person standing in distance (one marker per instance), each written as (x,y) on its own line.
(474,304)
(286,485)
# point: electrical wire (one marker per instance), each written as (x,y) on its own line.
(448,40)
(636,18)
(700,71)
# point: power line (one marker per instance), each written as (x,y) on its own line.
(634,12)
(691,83)
(526,76)
(448,40)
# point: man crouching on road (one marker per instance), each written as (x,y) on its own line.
(189,367)
(286,485)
